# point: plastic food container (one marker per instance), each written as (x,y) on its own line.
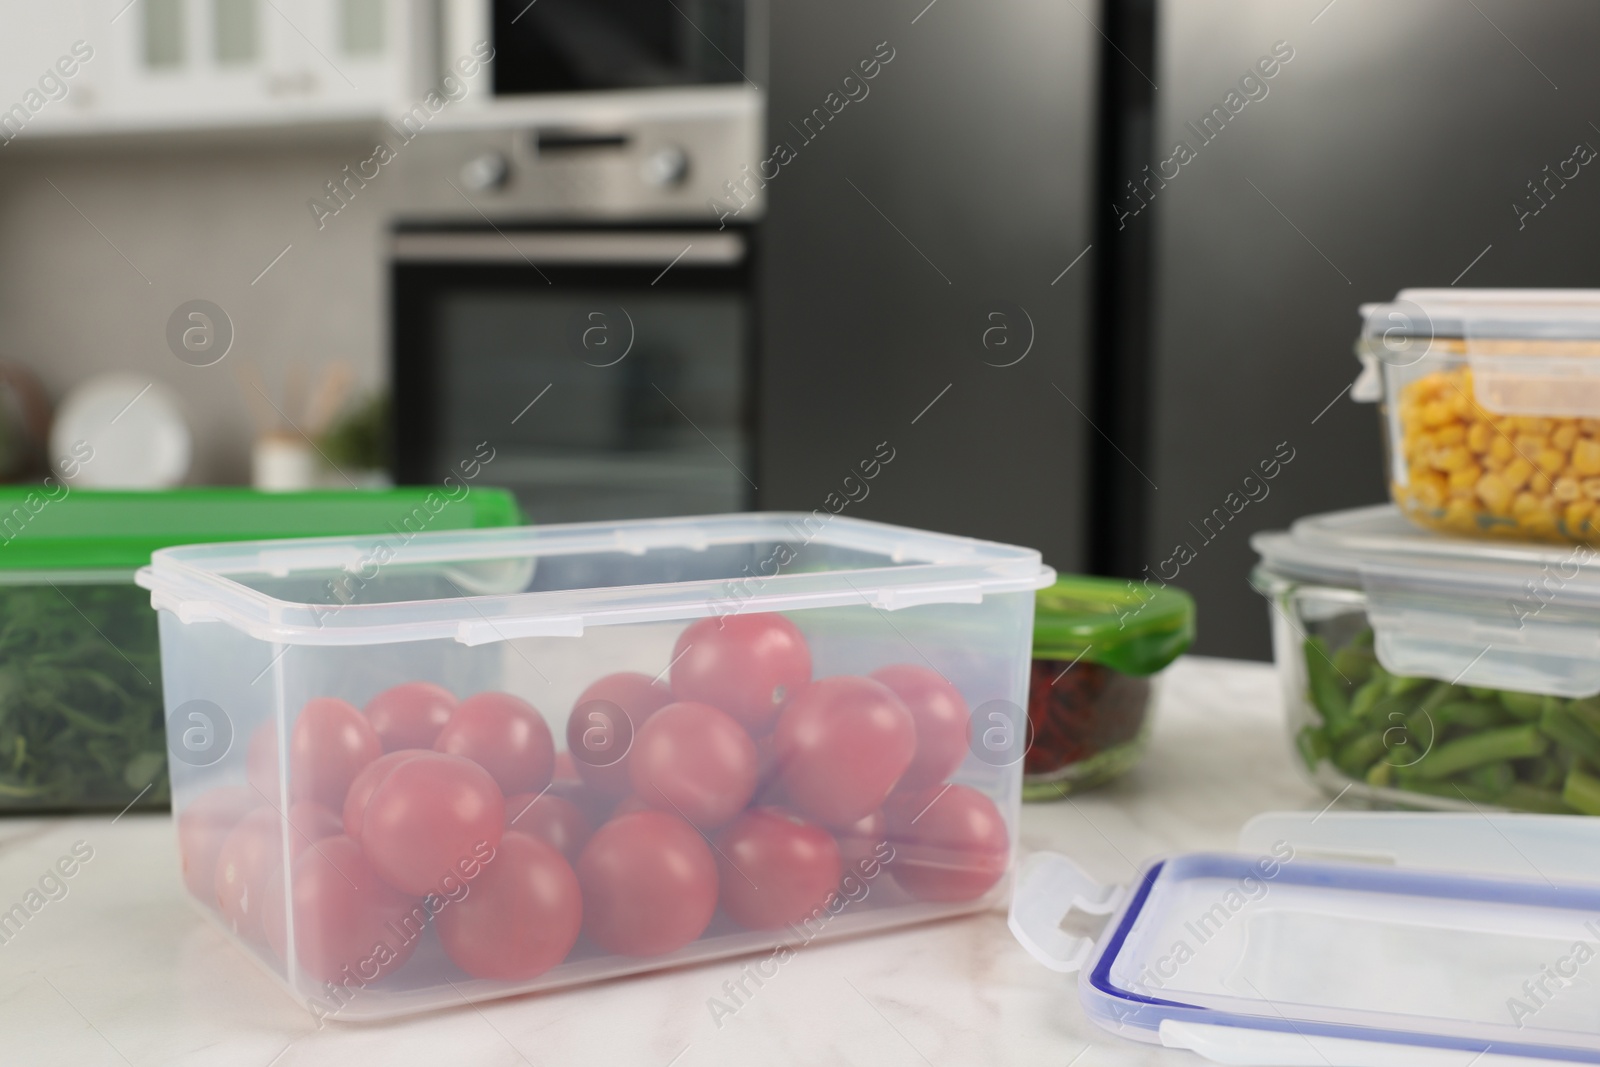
(80,676)
(1339,939)
(1437,672)
(1098,646)
(1491,406)
(510,760)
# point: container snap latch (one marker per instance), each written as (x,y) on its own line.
(1058,911)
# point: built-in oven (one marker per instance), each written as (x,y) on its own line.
(598,371)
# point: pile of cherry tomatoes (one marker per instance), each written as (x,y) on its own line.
(741,783)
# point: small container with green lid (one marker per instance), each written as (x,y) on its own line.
(80,674)
(1097,645)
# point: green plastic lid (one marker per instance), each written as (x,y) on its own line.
(1130,627)
(59,528)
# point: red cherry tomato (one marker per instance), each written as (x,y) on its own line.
(430,818)
(775,868)
(505,736)
(345,916)
(522,916)
(253,850)
(649,884)
(747,665)
(410,715)
(261,764)
(942,722)
(355,801)
(557,822)
(330,743)
(949,846)
(694,761)
(600,739)
(202,826)
(843,744)
(861,845)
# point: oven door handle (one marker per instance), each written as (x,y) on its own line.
(691,248)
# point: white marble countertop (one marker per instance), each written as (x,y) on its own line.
(123,971)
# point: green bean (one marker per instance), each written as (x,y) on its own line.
(1354,757)
(1529,798)
(1495,778)
(1582,792)
(1514,742)
(1526,706)
(1569,733)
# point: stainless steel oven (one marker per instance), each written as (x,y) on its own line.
(609,369)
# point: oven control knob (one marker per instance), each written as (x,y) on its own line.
(668,165)
(485,173)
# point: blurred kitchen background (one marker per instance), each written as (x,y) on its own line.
(678,256)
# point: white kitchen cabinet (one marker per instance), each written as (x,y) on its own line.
(154,65)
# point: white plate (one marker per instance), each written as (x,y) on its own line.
(135,434)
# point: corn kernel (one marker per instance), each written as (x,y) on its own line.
(1530,443)
(1502,449)
(1453,458)
(1525,504)
(1453,434)
(1586,456)
(1436,413)
(1550,461)
(1591,488)
(1465,478)
(1564,436)
(1517,473)
(1495,492)
(1567,489)
(1479,437)
(1430,489)
(1577,515)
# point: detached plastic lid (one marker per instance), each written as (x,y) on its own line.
(1123,625)
(1524,617)
(73,529)
(1342,940)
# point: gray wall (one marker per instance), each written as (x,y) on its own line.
(1395,141)
(196,221)
(974,148)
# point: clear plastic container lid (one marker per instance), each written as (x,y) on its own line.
(1342,940)
(1503,615)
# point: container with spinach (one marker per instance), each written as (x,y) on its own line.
(80,698)
(1460,744)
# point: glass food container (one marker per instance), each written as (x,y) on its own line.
(1437,672)
(80,675)
(1491,409)
(522,759)
(1098,645)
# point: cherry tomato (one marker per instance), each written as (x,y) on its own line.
(942,722)
(504,735)
(330,743)
(649,884)
(557,822)
(410,715)
(694,761)
(600,738)
(253,850)
(345,916)
(861,844)
(746,665)
(522,916)
(843,744)
(431,817)
(775,868)
(261,764)
(951,844)
(355,801)
(202,827)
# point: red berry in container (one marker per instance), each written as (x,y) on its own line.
(330,742)
(504,735)
(604,723)
(522,916)
(430,818)
(694,761)
(746,665)
(942,717)
(775,869)
(253,851)
(556,821)
(842,745)
(649,884)
(410,715)
(951,844)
